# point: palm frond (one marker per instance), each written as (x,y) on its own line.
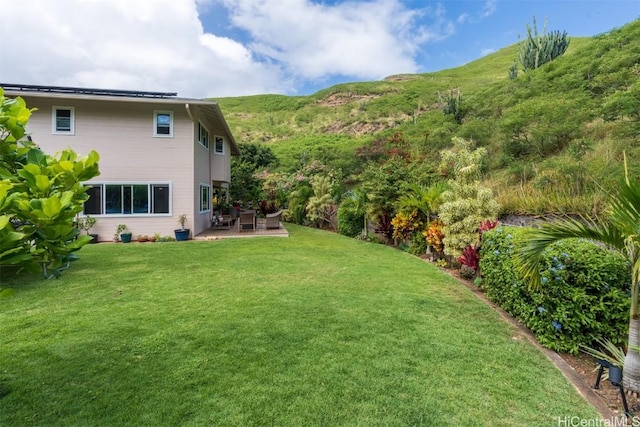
(625,209)
(608,351)
(535,241)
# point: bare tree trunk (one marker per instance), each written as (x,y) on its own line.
(631,370)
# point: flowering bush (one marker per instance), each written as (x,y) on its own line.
(583,295)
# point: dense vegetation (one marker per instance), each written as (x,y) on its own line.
(554,135)
(584,294)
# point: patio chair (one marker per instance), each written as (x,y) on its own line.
(246,221)
(222,221)
(273,220)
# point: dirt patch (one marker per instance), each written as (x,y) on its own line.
(400,78)
(337,99)
(357,129)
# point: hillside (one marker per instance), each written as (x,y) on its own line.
(556,135)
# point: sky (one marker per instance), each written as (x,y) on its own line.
(219,48)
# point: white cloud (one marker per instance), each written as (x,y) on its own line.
(489,7)
(364,39)
(161,45)
(155,45)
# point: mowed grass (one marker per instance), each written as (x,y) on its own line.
(311,330)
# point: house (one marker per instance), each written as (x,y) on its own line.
(160,156)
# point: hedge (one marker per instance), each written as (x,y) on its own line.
(585,293)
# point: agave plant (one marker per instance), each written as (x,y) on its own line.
(619,232)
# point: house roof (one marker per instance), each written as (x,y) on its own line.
(209,109)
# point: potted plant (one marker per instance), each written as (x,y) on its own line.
(142,238)
(86,223)
(123,234)
(610,357)
(182,233)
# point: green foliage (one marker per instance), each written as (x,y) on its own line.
(40,196)
(245,185)
(529,124)
(538,49)
(383,186)
(451,104)
(583,297)
(467,204)
(351,215)
(513,71)
(86,223)
(424,200)
(321,208)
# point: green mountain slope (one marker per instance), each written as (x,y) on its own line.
(556,135)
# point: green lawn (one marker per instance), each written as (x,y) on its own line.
(311,330)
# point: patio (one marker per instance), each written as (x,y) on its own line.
(223,232)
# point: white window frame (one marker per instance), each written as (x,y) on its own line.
(215,144)
(149,184)
(207,199)
(155,124)
(203,135)
(54,121)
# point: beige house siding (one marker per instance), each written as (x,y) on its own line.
(122,132)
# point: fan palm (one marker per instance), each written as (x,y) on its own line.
(621,233)
(426,200)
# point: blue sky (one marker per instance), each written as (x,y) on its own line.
(214,48)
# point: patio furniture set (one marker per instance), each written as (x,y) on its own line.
(245,220)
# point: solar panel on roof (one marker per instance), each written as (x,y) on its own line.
(87,91)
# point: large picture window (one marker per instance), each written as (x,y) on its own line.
(128,199)
(63,120)
(163,123)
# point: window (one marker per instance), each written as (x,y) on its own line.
(93,206)
(127,199)
(219,149)
(203,136)
(163,123)
(205,198)
(63,120)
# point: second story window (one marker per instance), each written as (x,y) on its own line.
(63,120)
(163,123)
(203,136)
(219,149)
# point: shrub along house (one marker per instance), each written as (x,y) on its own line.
(160,156)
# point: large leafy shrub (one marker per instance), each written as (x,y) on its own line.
(350,218)
(467,204)
(40,196)
(583,297)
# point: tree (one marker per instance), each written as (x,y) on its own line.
(426,200)
(618,233)
(352,214)
(467,204)
(253,158)
(321,207)
(40,196)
